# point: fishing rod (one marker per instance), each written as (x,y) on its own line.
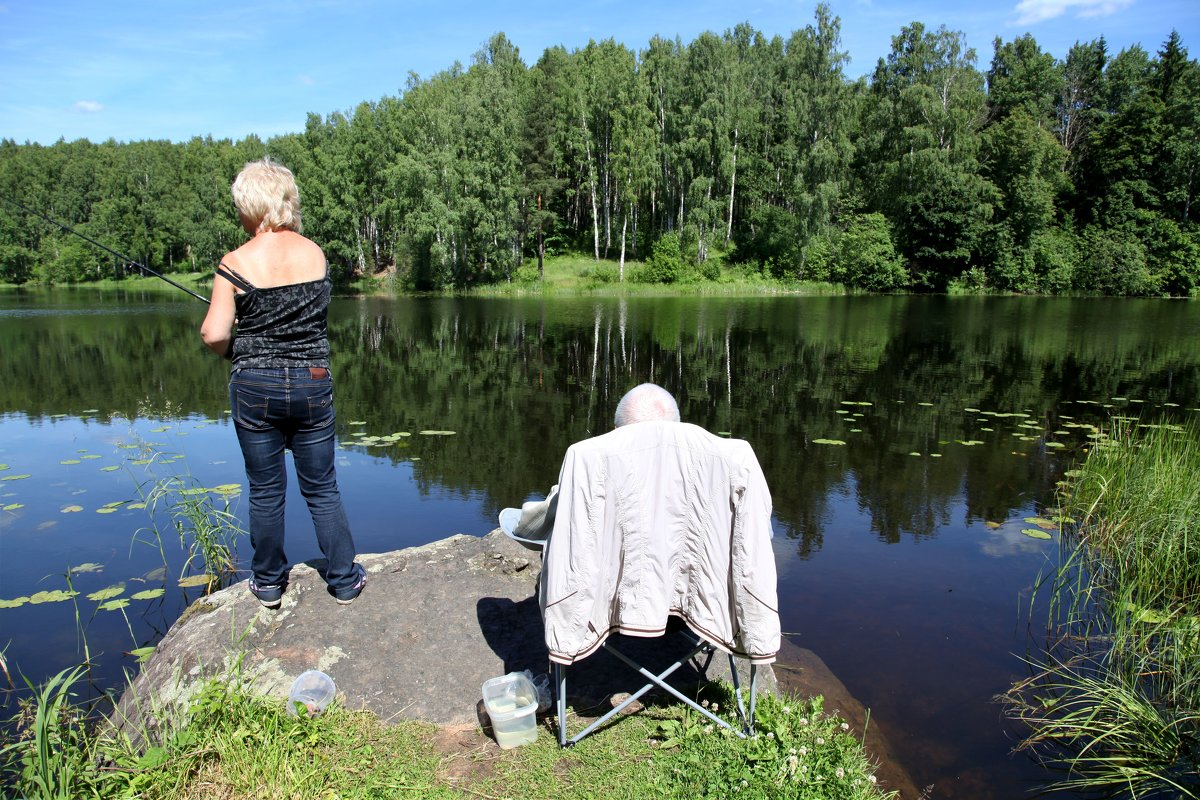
(142,268)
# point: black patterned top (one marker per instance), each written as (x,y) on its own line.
(281,326)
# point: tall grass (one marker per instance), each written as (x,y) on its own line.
(207,533)
(1116,698)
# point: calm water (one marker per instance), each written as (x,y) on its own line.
(892,432)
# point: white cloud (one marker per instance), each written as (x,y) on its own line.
(88,106)
(1031,11)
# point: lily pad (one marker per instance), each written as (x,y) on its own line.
(13,603)
(1042,523)
(14,506)
(149,594)
(195,580)
(108,593)
(1036,533)
(14,477)
(114,605)
(357,422)
(70,509)
(56,596)
(828,441)
(89,566)
(438,433)
(993,525)
(136,505)
(109,468)
(914,453)
(70,461)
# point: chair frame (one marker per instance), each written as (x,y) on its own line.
(559,683)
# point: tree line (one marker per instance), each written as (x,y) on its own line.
(757,154)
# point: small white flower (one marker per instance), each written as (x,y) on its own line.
(804,720)
(820,740)
(841,773)
(745,784)
(792,751)
(845,726)
(787,709)
(872,778)
(804,767)
(803,751)
(708,728)
(704,703)
(770,734)
(715,708)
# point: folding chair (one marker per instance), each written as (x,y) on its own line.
(654,520)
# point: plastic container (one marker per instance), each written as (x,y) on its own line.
(511,702)
(313,690)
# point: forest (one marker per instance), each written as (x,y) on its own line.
(734,153)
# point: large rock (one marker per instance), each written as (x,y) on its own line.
(433,623)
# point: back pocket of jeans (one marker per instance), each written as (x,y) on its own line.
(320,410)
(250,410)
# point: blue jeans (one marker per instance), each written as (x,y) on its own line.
(291,408)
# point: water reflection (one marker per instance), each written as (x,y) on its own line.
(904,440)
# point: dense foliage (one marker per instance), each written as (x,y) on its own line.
(1036,175)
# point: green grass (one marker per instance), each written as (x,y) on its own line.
(235,744)
(580,274)
(1116,701)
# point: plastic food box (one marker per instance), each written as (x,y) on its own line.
(511,702)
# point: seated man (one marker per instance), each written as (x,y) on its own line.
(654,519)
(531,524)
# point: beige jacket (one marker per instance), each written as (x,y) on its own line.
(654,519)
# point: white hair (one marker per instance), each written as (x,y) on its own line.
(646,402)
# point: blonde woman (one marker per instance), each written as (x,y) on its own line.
(276,287)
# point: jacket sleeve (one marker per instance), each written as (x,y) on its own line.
(755,598)
(569,584)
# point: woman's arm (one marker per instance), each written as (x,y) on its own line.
(217,329)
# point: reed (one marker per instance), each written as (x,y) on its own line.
(1115,699)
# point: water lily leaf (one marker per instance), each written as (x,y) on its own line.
(438,433)
(841,411)
(228,488)
(856,430)
(156,574)
(141,461)
(149,594)
(3,467)
(89,566)
(914,453)
(136,505)
(56,596)
(1055,444)
(110,468)
(114,605)
(192,492)
(106,510)
(90,411)
(195,580)
(719,433)
(401,433)
(142,654)
(14,506)
(358,422)
(925,404)
(828,441)
(160,430)
(14,477)
(969,442)
(1043,523)
(1036,533)
(993,525)
(116,590)
(70,509)
(13,603)
(70,461)
(935,455)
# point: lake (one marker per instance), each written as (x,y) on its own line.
(906,440)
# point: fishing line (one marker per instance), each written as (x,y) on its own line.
(142,268)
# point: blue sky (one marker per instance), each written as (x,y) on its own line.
(158,69)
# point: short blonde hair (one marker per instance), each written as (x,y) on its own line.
(266,195)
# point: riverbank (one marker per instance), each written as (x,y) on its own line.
(408,658)
(564,275)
